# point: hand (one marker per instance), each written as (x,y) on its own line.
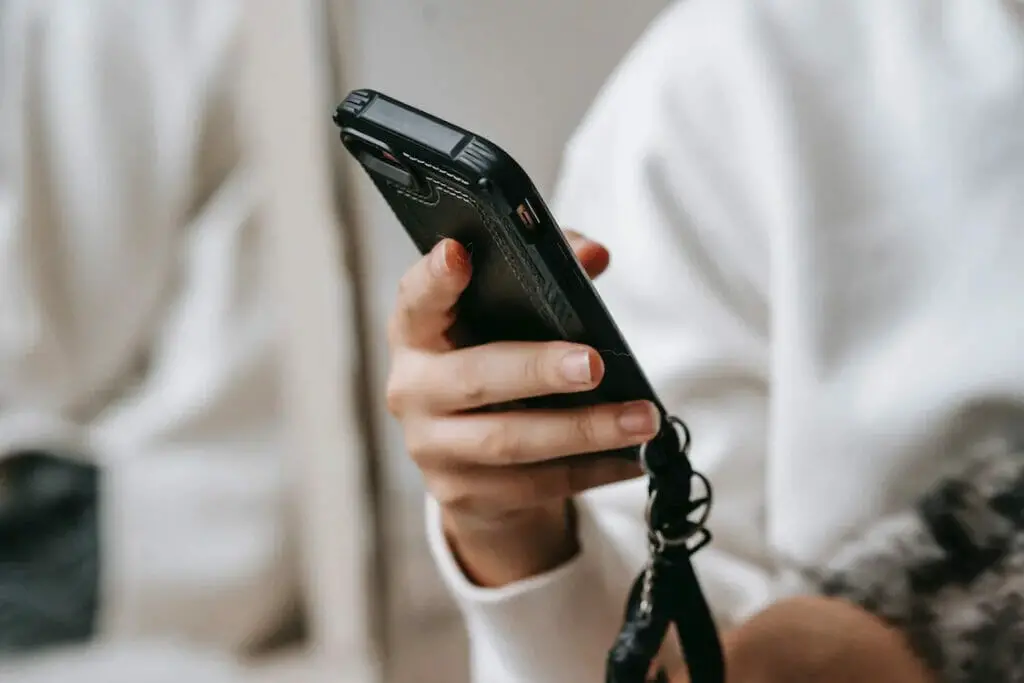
(500,477)
(816,639)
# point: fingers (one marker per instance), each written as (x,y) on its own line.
(431,288)
(494,373)
(498,462)
(528,485)
(529,437)
(592,256)
(426,295)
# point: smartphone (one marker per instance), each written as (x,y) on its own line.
(443,181)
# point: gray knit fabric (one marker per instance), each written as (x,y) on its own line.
(950,572)
(49,552)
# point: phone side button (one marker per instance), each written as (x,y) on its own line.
(526,220)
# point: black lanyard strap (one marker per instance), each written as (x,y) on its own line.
(667,591)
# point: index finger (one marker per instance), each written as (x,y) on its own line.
(427,293)
(592,256)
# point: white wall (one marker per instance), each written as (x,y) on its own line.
(520,72)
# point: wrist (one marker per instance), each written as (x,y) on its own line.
(495,552)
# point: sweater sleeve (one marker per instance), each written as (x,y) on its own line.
(650,175)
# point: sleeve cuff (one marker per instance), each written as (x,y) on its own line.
(556,626)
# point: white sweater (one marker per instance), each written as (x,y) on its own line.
(816,219)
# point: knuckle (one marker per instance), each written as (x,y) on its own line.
(452,494)
(472,384)
(497,444)
(585,428)
(536,368)
(407,287)
(426,445)
(394,396)
(396,389)
(415,444)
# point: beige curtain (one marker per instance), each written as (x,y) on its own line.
(289,126)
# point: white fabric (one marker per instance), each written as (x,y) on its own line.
(316,278)
(134,326)
(816,219)
(156,662)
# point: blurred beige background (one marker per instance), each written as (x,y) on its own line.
(521,73)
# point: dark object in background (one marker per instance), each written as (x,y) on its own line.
(49,552)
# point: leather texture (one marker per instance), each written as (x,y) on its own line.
(505,295)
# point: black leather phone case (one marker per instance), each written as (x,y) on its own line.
(445,182)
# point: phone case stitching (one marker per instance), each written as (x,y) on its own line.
(415,197)
(464,196)
(517,270)
(437,169)
(489,223)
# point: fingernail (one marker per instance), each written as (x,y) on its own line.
(439,259)
(576,368)
(456,257)
(639,418)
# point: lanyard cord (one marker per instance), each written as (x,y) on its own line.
(667,591)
